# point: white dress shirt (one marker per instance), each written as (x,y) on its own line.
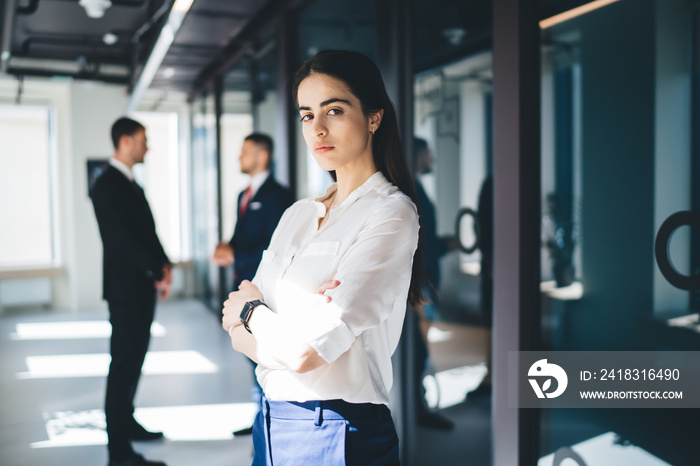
(367,244)
(257,181)
(122,167)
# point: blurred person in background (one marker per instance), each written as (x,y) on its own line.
(136,272)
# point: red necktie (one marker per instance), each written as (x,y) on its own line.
(245,201)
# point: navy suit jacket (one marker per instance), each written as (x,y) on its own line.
(254,230)
(133,255)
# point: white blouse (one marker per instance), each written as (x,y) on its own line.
(367,244)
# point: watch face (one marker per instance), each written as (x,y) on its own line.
(248,309)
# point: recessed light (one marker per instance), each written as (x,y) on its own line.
(110,39)
(168,72)
(95,8)
(454,35)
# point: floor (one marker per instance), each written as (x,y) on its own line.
(195,389)
(197,392)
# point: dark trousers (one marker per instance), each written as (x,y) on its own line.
(131,333)
(420,364)
(329,433)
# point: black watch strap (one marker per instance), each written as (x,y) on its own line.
(247,312)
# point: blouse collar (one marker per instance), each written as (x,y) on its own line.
(374,182)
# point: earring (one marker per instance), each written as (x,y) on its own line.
(372,130)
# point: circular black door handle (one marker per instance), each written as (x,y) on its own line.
(458,229)
(662,252)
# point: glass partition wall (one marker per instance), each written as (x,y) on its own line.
(205,215)
(617,161)
(452,164)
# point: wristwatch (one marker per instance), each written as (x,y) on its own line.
(247,312)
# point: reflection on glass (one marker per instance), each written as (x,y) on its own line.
(452,161)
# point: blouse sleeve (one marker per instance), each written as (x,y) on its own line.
(374,275)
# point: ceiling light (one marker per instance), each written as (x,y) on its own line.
(95,8)
(160,49)
(169,72)
(182,5)
(109,38)
(573,13)
(454,35)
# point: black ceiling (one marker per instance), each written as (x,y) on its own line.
(56,37)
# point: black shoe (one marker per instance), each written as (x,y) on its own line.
(246,431)
(135,460)
(139,433)
(433,420)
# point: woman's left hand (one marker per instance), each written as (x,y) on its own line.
(235,302)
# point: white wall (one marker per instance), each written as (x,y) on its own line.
(94,107)
(84,113)
(234,128)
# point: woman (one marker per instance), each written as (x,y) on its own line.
(324,312)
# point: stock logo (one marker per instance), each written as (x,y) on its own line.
(543,370)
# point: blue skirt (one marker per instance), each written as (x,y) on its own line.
(328,433)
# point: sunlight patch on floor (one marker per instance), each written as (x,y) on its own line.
(97,365)
(450,387)
(72,330)
(178,423)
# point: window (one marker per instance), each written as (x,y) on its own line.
(28,236)
(160,177)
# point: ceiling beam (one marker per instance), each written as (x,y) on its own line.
(176,16)
(238,45)
(24,71)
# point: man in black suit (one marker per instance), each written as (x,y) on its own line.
(260,208)
(434,248)
(136,270)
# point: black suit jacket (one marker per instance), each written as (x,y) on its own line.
(434,247)
(254,230)
(133,255)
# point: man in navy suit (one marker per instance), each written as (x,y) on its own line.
(260,207)
(136,270)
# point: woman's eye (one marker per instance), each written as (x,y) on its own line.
(306,118)
(335,111)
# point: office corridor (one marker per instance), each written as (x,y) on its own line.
(194,388)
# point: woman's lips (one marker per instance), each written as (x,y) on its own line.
(321,150)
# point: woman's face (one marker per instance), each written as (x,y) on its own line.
(335,128)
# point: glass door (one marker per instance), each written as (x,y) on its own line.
(453,169)
(619,157)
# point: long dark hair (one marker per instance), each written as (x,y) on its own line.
(365,81)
